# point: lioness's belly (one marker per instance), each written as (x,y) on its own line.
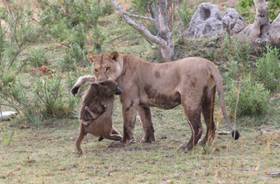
(156,98)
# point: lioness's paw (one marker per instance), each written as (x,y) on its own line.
(128,141)
(148,139)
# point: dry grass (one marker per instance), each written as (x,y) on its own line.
(46,155)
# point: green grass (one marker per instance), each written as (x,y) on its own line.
(47,155)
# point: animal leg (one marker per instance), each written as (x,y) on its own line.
(193,114)
(79,139)
(115,131)
(93,115)
(129,115)
(114,137)
(208,114)
(100,138)
(81,81)
(146,120)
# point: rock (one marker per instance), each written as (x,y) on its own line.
(6,115)
(206,22)
(233,22)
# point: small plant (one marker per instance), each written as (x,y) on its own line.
(268,69)
(273,8)
(253,99)
(37,57)
(51,98)
(6,136)
(74,56)
(245,8)
(185,13)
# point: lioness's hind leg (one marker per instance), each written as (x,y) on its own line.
(208,105)
(193,113)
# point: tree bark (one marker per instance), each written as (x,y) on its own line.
(162,15)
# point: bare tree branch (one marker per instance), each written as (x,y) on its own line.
(138,26)
(140,17)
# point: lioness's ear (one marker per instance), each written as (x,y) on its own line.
(114,55)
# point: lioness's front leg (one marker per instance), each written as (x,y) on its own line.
(146,120)
(129,116)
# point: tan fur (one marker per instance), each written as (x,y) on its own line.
(191,82)
(96,112)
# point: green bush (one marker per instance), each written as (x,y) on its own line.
(185,13)
(246,9)
(74,56)
(37,57)
(42,99)
(52,99)
(268,69)
(72,21)
(253,98)
(273,8)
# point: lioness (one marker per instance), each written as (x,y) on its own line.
(191,82)
(96,110)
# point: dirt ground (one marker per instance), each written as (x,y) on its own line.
(47,155)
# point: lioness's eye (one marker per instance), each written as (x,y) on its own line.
(95,70)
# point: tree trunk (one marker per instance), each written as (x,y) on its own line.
(162,14)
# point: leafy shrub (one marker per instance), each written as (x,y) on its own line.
(50,96)
(37,57)
(185,13)
(246,9)
(74,56)
(141,5)
(268,69)
(253,98)
(46,99)
(273,8)
(71,21)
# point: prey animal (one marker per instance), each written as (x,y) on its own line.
(96,110)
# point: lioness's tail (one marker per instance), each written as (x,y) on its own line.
(220,89)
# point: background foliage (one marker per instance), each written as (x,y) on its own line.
(43,52)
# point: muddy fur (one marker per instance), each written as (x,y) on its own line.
(96,111)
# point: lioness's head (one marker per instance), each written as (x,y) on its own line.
(107,66)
